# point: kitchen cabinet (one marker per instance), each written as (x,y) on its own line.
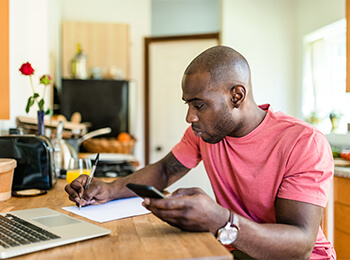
(342,217)
(105,44)
(347,17)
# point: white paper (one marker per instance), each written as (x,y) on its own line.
(112,210)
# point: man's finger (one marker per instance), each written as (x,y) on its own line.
(187,192)
(170,203)
(72,192)
(78,182)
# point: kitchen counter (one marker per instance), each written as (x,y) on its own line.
(342,171)
(342,168)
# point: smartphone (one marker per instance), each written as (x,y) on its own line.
(145,191)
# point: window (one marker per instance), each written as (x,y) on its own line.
(324,78)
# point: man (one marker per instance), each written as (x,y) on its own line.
(270,172)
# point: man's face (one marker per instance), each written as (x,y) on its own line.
(209,111)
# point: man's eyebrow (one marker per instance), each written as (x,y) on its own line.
(190,100)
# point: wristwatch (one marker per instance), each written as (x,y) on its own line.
(228,234)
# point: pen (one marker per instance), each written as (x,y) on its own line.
(90,177)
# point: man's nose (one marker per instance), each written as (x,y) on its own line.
(191,117)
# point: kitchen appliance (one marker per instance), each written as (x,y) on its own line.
(114,164)
(35,161)
(110,169)
(113,169)
(103,103)
(69,148)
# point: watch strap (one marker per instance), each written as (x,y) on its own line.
(234,220)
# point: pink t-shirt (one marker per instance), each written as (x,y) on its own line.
(283,157)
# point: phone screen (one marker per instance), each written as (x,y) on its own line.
(145,191)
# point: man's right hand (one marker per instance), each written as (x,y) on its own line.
(99,192)
(160,174)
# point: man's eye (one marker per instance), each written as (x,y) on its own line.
(198,106)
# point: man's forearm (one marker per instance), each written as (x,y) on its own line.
(292,237)
(150,175)
(273,241)
(160,175)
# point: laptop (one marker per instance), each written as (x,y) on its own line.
(31,230)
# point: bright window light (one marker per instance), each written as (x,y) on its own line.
(324,79)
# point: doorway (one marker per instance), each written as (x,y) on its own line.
(166,58)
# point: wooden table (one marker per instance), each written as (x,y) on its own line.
(140,237)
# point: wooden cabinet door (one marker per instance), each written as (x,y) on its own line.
(347,16)
(105,44)
(4,61)
(342,217)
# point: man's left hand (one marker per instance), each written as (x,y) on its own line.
(189,209)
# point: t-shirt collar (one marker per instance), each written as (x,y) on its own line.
(265,107)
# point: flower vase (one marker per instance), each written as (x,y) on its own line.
(41,124)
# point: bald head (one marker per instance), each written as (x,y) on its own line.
(217,88)
(223,63)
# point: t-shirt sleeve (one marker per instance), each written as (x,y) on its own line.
(309,171)
(187,151)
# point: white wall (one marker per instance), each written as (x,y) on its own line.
(269,34)
(261,30)
(182,17)
(28,43)
(54,35)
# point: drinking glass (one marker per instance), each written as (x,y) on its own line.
(76,167)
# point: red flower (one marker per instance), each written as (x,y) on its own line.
(46,80)
(26,69)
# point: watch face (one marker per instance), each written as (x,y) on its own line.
(228,235)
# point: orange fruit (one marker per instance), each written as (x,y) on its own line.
(124,137)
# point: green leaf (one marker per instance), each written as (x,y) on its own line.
(28,105)
(41,104)
(35,95)
(49,112)
(30,102)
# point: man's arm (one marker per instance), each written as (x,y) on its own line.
(160,174)
(292,237)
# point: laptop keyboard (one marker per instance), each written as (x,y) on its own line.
(15,231)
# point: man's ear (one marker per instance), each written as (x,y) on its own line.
(238,94)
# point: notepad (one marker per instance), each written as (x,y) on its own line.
(112,210)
